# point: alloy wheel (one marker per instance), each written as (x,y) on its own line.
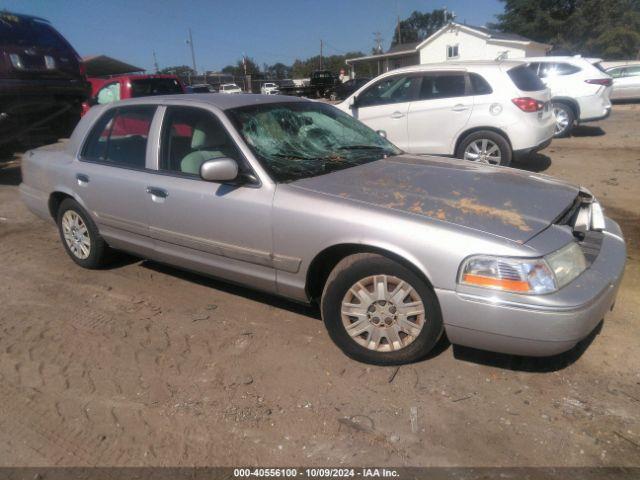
(483,150)
(76,234)
(562,119)
(383,313)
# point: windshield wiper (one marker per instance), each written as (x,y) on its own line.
(361,147)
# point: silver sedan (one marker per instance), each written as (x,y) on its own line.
(298,199)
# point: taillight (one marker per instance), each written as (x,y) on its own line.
(607,82)
(528,104)
(83,69)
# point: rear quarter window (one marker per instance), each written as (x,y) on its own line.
(479,85)
(525,79)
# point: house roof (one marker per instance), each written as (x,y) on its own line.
(399,50)
(102,66)
(402,47)
(488,33)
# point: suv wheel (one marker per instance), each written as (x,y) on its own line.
(80,235)
(379,312)
(487,147)
(565,118)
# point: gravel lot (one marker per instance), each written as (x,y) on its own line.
(141,364)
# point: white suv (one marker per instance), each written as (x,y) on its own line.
(269,89)
(580,89)
(485,111)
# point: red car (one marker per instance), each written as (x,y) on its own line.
(107,90)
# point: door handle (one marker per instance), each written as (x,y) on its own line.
(157,192)
(397,114)
(82,179)
(459,108)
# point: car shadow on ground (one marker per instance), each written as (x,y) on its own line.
(534,162)
(587,131)
(526,364)
(247,293)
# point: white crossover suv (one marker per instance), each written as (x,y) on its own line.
(580,89)
(484,111)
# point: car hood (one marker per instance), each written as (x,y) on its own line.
(510,203)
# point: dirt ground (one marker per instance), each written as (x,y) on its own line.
(145,365)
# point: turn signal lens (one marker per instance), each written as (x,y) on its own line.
(528,104)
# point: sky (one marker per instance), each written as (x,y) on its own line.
(269,31)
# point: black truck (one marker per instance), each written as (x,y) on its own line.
(42,81)
(320,83)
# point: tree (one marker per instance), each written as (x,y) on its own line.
(238,70)
(183,71)
(278,71)
(304,68)
(419,26)
(608,29)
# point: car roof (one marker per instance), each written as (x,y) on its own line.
(473,64)
(563,58)
(219,100)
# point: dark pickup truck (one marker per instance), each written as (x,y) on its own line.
(42,81)
(320,83)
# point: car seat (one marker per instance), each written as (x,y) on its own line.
(209,141)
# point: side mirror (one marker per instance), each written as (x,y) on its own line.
(353,103)
(219,170)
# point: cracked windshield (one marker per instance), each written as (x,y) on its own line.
(299,140)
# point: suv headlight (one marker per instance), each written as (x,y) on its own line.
(524,275)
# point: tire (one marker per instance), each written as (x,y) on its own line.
(89,250)
(480,147)
(415,334)
(565,118)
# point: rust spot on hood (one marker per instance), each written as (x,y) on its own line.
(508,216)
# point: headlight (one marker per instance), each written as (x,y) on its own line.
(567,263)
(524,275)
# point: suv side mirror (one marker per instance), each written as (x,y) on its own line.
(219,170)
(353,103)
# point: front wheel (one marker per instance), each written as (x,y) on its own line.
(565,119)
(380,312)
(487,147)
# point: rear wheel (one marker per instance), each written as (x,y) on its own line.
(565,119)
(80,236)
(487,147)
(380,312)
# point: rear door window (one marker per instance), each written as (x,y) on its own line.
(22,31)
(525,79)
(443,85)
(145,87)
(119,138)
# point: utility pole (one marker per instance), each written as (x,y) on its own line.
(399,32)
(155,62)
(320,54)
(378,39)
(193,53)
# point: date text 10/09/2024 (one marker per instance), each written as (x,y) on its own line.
(315,473)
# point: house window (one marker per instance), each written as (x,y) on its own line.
(452,51)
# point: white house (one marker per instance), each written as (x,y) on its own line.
(456,41)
